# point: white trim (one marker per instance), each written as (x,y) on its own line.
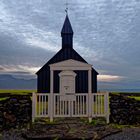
(70,68)
(90,95)
(89,81)
(70,64)
(66,72)
(51,85)
(51,98)
(33,106)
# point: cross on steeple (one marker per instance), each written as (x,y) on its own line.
(66,10)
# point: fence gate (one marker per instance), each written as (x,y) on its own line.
(70,105)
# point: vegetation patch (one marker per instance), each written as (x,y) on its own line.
(4,94)
(127,93)
(12,91)
(135,97)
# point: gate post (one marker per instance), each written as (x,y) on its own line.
(89,95)
(107,106)
(33,106)
(90,107)
(51,98)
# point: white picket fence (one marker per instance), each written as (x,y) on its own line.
(77,105)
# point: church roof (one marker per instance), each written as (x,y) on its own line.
(67,28)
(64,54)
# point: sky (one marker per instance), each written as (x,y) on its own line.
(106,35)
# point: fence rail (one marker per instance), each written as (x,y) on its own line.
(76,105)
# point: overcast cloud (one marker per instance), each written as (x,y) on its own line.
(106,34)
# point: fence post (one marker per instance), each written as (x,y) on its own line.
(51,98)
(51,107)
(107,106)
(90,107)
(90,95)
(33,106)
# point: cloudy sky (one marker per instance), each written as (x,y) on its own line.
(106,34)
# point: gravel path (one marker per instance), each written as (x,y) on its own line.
(126,134)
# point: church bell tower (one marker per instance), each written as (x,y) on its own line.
(67,34)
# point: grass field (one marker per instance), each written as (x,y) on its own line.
(136,98)
(5,93)
(12,91)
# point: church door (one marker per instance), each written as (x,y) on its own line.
(67,82)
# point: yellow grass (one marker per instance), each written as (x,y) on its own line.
(12,91)
(42,107)
(135,97)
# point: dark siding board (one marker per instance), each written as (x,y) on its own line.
(44,81)
(86,80)
(67,53)
(83,77)
(60,57)
(48,80)
(56,82)
(81,81)
(94,82)
(40,82)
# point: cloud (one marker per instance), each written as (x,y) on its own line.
(109,78)
(1,68)
(14,51)
(37,42)
(19,69)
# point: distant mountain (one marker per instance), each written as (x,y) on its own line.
(122,86)
(9,82)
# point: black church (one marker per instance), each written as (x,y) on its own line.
(70,71)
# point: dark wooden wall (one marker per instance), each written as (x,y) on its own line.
(81,81)
(43,75)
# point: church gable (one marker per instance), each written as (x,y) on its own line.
(63,54)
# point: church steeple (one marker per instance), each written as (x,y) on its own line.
(67,34)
